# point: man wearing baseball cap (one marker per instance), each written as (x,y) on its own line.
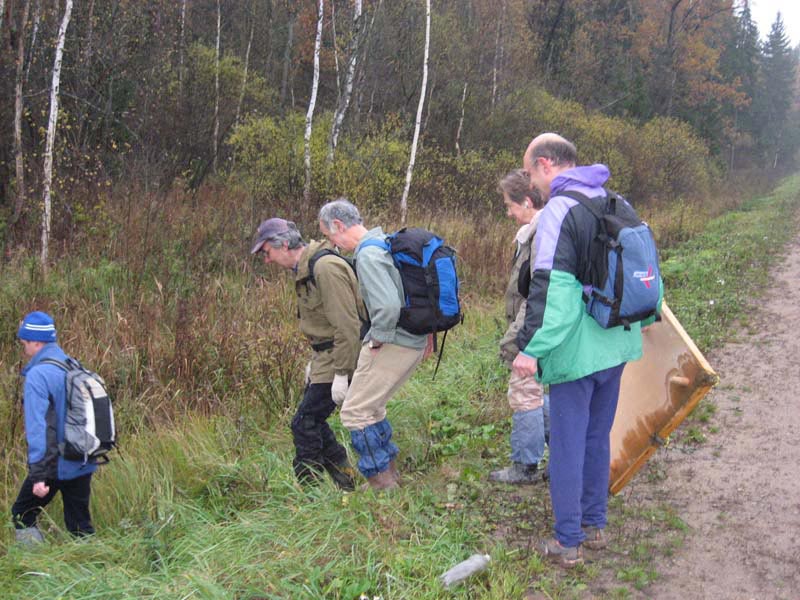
(331,314)
(44,403)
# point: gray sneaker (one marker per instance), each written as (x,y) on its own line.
(29,537)
(595,538)
(517,473)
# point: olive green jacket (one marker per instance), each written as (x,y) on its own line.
(515,303)
(330,310)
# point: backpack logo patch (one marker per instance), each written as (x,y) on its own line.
(646,277)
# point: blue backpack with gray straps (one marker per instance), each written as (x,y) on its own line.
(623,283)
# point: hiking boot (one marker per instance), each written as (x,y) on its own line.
(552,550)
(595,537)
(29,537)
(517,473)
(343,476)
(393,470)
(382,481)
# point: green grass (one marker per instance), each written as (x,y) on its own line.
(201,502)
(712,280)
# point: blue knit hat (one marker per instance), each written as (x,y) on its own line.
(37,327)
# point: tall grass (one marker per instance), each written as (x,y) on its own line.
(200,347)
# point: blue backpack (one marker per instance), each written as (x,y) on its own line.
(430,281)
(622,286)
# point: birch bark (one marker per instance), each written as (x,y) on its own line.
(19,157)
(181,44)
(51,131)
(216,87)
(287,56)
(461,119)
(344,100)
(246,67)
(37,10)
(312,102)
(410,171)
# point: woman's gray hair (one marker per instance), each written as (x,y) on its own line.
(291,236)
(517,185)
(342,210)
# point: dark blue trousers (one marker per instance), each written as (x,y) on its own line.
(581,416)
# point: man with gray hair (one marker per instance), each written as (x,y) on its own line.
(389,354)
(331,314)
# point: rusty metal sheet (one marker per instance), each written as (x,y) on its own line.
(658,392)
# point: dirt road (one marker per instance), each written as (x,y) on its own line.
(739,492)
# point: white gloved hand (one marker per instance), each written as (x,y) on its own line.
(307,379)
(339,388)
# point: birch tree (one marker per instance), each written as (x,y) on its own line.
(498,52)
(313,101)
(51,131)
(181,45)
(461,119)
(287,54)
(344,99)
(410,171)
(37,10)
(246,66)
(2,12)
(216,87)
(19,158)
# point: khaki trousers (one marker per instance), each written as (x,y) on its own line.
(378,376)
(524,393)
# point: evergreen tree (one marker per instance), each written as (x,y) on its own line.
(777,79)
(739,66)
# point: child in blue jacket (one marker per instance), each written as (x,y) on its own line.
(44,403)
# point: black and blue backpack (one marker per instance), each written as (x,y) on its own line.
(430,281)
(622,285)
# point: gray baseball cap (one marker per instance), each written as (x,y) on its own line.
(269,229)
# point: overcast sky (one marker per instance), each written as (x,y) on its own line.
(764,12)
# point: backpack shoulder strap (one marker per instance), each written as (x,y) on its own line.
(312,262)
(583,199)
(375,242)
(53,361)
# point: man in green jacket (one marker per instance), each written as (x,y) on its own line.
(331,313)
(567,349)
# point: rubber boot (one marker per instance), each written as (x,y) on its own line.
(393,470)
(29,537)
(342,475)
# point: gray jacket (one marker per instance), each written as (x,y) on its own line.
(515,303)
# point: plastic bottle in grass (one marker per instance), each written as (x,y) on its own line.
(474,564)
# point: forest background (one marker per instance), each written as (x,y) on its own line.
(126,212)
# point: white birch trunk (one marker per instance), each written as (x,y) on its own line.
(410,171)
(19,157)
(312,102)
(246,67)
(2,13)
(287,58)
(461,120)
(51,131)
(498,52)
(37,9)
(344,100)
(335,52)
(216,87)
(181,45)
